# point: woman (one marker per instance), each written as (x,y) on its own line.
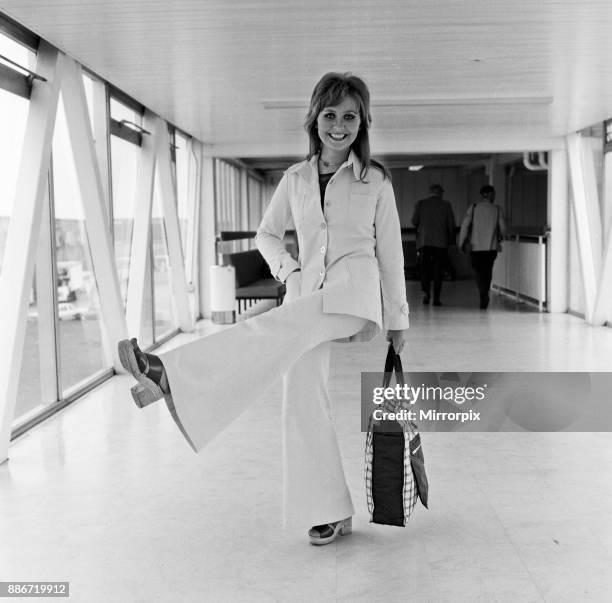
(347,284)
(483,227)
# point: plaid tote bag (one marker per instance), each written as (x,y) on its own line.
(394,464)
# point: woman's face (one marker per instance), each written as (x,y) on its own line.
(338,126)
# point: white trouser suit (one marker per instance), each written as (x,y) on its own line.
(351,277)
(214,379)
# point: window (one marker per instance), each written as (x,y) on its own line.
(124,165)
(38,378)
(126,141)
(162,297)
(255,202)
(13,115)
(81,353)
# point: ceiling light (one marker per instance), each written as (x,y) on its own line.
(415,168)
(425,101)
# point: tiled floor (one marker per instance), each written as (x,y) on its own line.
(113,500)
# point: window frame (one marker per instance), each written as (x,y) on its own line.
(11,79)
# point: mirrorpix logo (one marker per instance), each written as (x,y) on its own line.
(447,398)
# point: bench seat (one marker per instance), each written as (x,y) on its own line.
(253,278)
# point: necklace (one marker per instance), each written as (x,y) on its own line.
(330,164)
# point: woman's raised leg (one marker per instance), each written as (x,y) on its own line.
(214,379)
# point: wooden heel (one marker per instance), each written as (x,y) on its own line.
(347,526)
(143,396)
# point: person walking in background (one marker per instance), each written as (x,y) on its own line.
(434,221)
(482,229)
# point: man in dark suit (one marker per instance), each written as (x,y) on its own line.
(434,221)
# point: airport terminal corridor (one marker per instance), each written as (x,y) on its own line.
(170,168)
(112,499)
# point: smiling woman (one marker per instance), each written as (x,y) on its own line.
(347,285)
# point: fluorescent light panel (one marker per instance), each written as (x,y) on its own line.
(424,102)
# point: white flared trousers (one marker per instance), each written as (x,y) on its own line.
(214,379)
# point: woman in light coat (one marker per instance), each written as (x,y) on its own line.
(483,228)
(347,285)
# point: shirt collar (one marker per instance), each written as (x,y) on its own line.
(309,171)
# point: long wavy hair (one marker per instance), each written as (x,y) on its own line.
(330,91)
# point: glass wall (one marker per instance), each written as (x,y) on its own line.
(255,192)
(66,348)
(164,321)
(29,392)
(78,307)
(227,196)
(146,326)
(38,378)
(124,165)
(228,205)
(125,155)
(13,114)
(188,213)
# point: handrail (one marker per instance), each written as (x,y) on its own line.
(536,238)
(237,235)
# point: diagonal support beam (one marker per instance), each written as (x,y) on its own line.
(587,215)
(94,209)
(178,280)
(24,228)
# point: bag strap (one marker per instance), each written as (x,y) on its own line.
(393,363)
(468,234)
(473,212)
(499,237)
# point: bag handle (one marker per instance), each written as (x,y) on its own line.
(393,363)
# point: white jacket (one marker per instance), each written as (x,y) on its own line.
(353,250)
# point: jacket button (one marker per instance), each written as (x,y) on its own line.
(405,309)
(321,273)
(323,226)
(322,249)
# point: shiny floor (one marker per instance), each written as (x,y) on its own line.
(111,499)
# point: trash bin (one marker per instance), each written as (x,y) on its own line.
(223,294)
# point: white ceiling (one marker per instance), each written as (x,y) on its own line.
(446,76)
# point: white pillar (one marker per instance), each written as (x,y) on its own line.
(558,224)
(587,216)
(603,303)
(607,215)
(193,229)
(207,231)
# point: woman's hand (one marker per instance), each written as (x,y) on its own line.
(292,285)
(398,338)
